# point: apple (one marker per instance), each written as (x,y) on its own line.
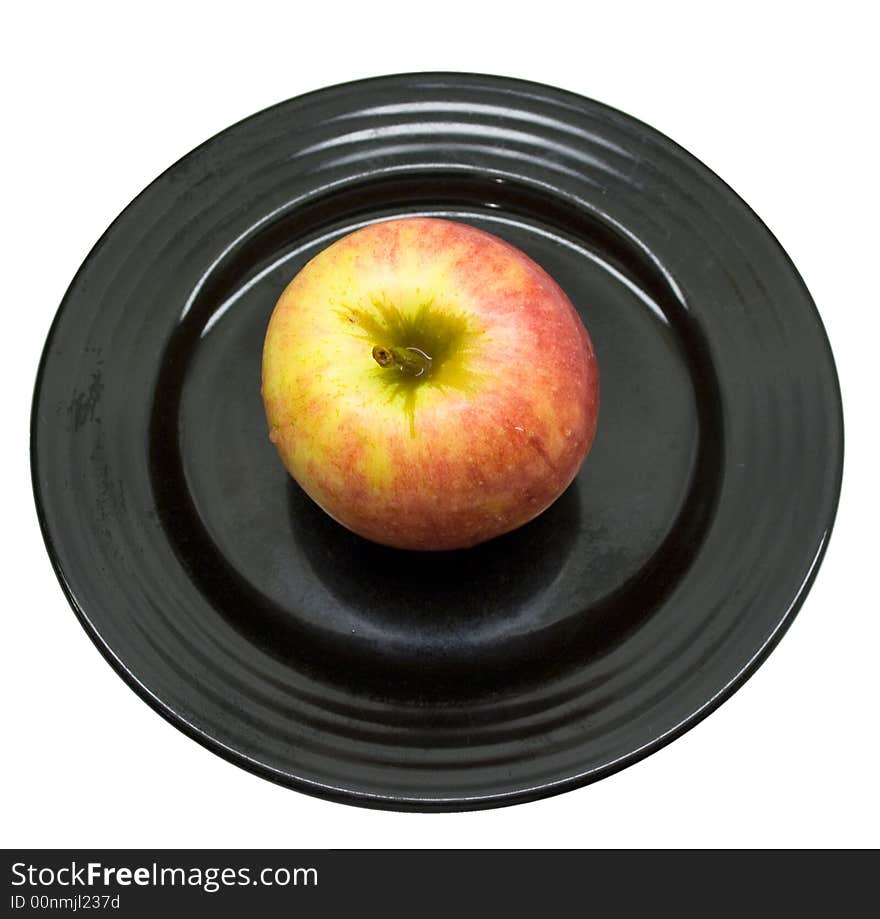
(428,384)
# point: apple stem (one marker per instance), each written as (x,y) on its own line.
(411,362)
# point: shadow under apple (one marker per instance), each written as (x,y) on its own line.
(438,622)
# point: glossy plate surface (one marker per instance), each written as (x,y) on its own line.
(532,664)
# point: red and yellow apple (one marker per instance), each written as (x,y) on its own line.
(428,384)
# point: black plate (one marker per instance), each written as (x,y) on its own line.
(541,661)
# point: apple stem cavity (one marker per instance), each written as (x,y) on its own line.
(411,362)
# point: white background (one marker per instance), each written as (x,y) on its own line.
(779,99)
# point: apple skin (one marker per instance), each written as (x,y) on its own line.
(477,446)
